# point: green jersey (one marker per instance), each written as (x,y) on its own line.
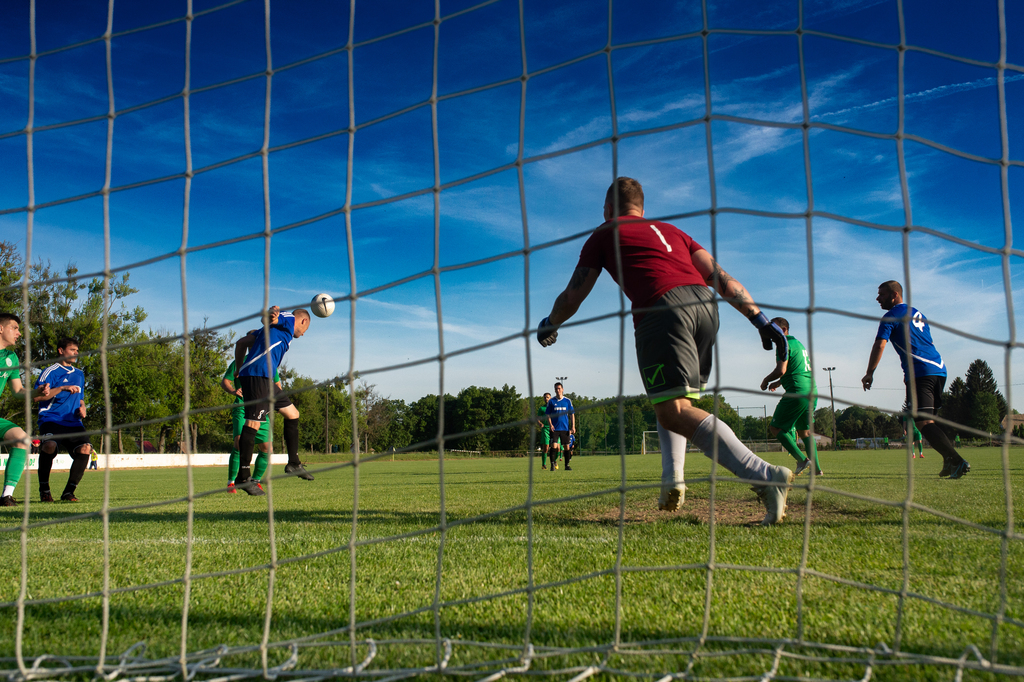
(8,367)
(230,376)
(542,414)
(797,378)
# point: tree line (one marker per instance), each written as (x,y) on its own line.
(146,381)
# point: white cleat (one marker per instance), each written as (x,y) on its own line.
(774,497)
(672,498)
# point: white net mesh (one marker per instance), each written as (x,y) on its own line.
(361,633)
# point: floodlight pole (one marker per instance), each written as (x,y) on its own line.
(832,395)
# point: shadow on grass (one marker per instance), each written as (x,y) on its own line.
(51,629)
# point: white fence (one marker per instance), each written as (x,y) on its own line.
(137,461)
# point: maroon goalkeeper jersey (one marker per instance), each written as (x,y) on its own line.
(655,258)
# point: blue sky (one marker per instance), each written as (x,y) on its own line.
(657,70)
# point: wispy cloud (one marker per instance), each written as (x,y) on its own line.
(422,318)
(924,95)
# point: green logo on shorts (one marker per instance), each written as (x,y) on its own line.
(654,376)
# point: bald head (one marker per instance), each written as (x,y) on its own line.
(302,320)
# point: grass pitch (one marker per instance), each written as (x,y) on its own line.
(582,525)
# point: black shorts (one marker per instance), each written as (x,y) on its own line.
(70,438)
(258,389)
(560,437)
(929,394)
(674,342)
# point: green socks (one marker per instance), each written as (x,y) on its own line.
(812,448)
(233,465)
(789,442)
(15,467)
(262,462)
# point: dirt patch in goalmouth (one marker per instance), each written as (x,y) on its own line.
(730,512)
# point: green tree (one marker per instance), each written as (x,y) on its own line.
(422,421)
(725,411)
(985,403)
(592,422)
(955,406)
(509,407)
(388,425)
(752,428)
(823,421)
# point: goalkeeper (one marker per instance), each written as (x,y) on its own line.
(667,276)
(793,372)
(257,357)
(263,438)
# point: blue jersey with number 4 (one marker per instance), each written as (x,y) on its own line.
(927,361)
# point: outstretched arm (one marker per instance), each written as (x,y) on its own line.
(567,303)
(876,356)
(725,284)
(44,392)
(738,297)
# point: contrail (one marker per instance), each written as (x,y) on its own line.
(931,93)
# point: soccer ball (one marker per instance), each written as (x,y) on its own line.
(322,305)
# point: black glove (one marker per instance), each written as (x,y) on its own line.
(547,333)
(770,334)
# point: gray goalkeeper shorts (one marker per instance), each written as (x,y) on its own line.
(674,342)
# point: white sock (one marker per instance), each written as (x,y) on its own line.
(732,454)
(8,491)
(673,456)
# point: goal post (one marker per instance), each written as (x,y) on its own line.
(651,443)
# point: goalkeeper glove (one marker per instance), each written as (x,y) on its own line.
(547,333)
(770,334)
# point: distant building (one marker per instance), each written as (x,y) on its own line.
(1018,419)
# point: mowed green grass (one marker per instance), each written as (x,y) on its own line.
(573,546)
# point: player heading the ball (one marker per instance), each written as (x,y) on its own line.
(666,276)
(257,357)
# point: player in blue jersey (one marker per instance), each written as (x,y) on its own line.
(908,331)
(257,357)
(60,420)
(562,418)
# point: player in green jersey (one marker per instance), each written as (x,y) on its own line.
(918,438)
(11,434)
(263,438)
(793,372)
(545,431)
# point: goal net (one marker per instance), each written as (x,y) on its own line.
(435,169)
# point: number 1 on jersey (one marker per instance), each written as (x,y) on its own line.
(662,238)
